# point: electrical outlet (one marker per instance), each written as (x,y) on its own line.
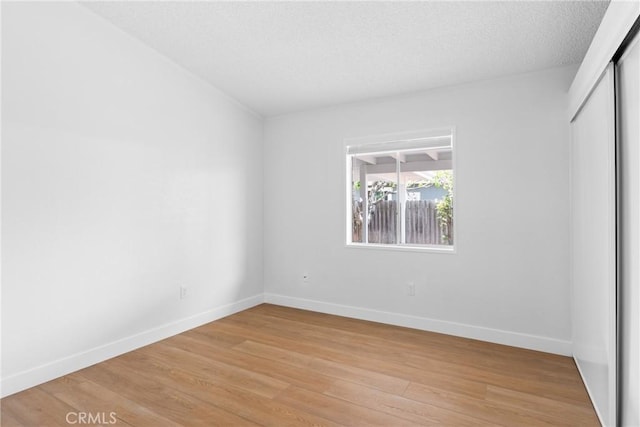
(183,292)
(411,289)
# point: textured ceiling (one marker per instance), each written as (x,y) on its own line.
(279,57)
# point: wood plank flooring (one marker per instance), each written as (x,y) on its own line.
(279,366)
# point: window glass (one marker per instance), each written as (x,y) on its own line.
(402,193)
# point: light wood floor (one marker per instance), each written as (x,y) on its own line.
(278,366)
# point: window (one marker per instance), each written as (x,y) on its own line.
(400,191)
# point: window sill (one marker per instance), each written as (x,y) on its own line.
(403,248)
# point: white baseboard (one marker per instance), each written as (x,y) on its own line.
(515,339)
(57,368)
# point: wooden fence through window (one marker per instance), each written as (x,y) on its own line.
(422,223)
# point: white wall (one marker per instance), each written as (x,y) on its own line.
(123,177)
(511,270)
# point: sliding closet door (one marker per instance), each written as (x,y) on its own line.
(628,115)
(594,245)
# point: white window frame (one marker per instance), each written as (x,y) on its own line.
(399,138)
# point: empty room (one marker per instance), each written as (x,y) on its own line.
(327,213)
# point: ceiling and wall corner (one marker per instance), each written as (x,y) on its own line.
(282,57)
